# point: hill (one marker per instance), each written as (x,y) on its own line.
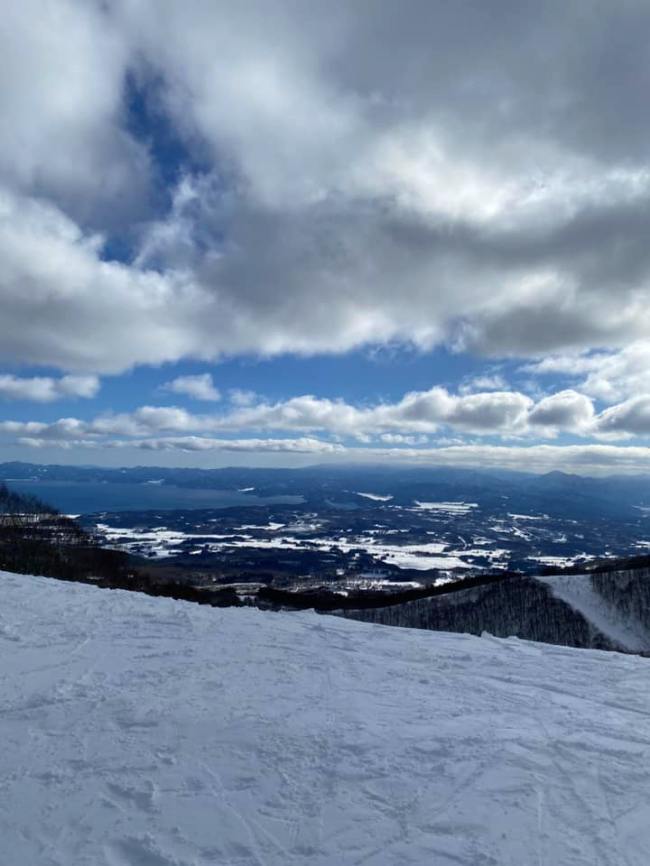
(35,537)
(151,732)
(607,610)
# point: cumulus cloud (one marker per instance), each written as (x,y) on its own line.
(417,412)
(63,135)
(179,182)
(410,420)
(399,431)
(64,429)
(368,174)
(45,389)
(631,417)
(61,304)
(200,387)
(567,410)
(607,376)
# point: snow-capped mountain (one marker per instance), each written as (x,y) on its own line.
(150,732)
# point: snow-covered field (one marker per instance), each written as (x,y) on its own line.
(453,509)
(376,497)
(160,542)
(148,732)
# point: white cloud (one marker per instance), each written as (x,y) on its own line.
(630,418)
(418,414)
(200,387)
(241,397)
(607,376)
(581,459)
(63,135)
(486,382)
(45,389)
(61,430)
(401,439)
(348,194)
(565,411)
(302,445)
(60,304)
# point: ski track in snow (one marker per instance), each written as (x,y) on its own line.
(578,592)
(149,732)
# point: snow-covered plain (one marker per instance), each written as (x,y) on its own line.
(453,509)
(149,732)
(160,542)
(376,497)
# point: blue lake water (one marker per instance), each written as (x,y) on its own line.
(80,497)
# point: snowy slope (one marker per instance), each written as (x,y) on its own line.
(578,592)
(149,732)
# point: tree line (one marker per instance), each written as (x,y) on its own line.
(37,539)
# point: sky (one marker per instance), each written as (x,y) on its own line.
(282,232)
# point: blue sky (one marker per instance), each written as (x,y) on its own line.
(288,233)
(362,376)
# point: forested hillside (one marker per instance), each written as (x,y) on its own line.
(607,610)
(36,539)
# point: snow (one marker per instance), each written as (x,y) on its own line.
(528,516)
(148,732)
(558,561)
(449,508)
(404,559)
(578,592)
(376,497)
(160,542)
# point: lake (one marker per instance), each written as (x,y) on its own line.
(81,497)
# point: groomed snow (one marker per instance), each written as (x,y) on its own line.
(148,732)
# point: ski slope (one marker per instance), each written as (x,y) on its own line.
(148,732)
(578,592)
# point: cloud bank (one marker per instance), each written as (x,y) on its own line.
(417,415)
(327,196)
(208,180)
(45,389)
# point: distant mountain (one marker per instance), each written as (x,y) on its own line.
(556,493)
